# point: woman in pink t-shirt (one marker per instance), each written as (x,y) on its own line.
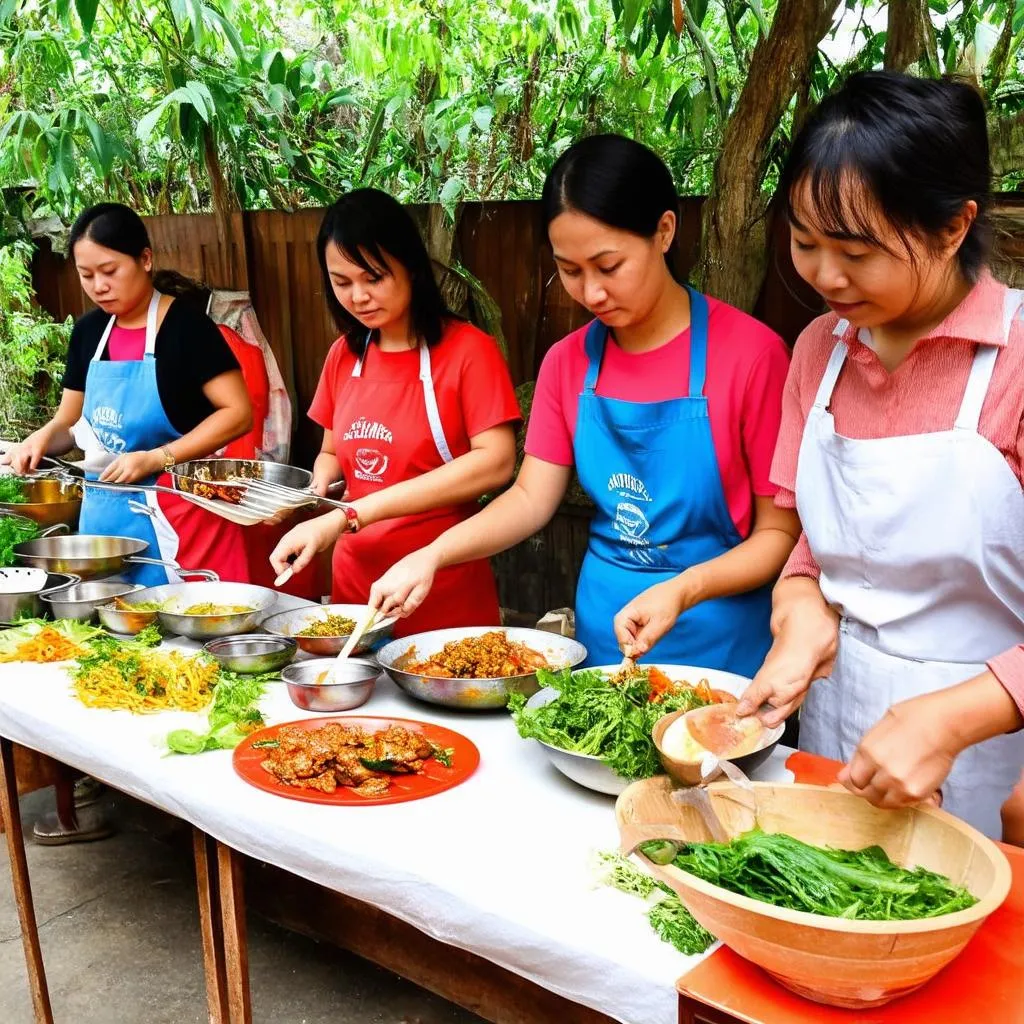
(668,406)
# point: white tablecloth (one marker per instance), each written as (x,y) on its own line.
(500,865)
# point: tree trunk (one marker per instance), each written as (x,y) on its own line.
(909,37)
(734,255)
(224,205)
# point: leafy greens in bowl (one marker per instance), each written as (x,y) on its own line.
(595,714)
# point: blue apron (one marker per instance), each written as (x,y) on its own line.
(651,470)
(122,405)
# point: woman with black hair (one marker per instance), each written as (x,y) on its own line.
(902,447)
(153,383)
(668,405)
(418,411)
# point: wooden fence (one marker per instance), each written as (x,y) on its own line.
(504,246)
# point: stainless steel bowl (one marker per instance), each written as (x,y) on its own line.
(207,627)
(81,600)
(49,502)
(592,772)
(584,769)
(289,623)
(252,653)
(354,682)
(24,604)
(127,623)
(480,694)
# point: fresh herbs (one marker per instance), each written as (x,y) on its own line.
(12,490)
(610,720)
(76,633)
(14,530)
(443,755)
(233,715)
(671,921)
(862,885)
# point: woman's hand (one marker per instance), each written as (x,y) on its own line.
(806,631)
(403,588)
(133,466)
(651,614)
(25,457)
(300,545)
(906,757)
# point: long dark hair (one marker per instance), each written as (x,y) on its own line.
(617,181)
(918,146)
(191,292)
(365,224)
(112,225)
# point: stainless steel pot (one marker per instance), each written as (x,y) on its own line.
(93,556)
(48,502)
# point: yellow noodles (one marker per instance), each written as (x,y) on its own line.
(143,682)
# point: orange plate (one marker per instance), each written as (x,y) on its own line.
(435,778)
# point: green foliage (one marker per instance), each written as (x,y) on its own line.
(32,347)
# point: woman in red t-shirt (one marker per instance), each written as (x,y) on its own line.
(418,411)
(667,404)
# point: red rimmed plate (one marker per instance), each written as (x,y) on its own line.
(435,777)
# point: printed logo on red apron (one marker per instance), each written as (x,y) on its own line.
(371,463)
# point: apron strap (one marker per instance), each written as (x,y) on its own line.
(357,370)
(430,400)
(984,364)
(830,376)
(597,335)
(151,317)
(698,342)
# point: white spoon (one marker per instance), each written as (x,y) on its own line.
(361,627)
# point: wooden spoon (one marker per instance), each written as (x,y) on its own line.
(717,729)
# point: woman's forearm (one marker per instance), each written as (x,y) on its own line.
(751,564)
(217,430)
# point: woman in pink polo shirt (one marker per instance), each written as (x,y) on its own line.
(902,446)
(668,405)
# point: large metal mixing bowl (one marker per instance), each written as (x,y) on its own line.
(206,627)
(476,694)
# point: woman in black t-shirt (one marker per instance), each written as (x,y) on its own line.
(153,383)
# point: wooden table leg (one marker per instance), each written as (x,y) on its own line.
(236,950)
(209,922)
(11,813)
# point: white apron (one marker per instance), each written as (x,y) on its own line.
(920,540)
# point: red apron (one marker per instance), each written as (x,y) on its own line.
(387,431)
(205,540)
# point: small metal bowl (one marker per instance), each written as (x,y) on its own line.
(123,621)
(82,600)
(356,679)
(252,653)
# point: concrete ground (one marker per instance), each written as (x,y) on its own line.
(119,928)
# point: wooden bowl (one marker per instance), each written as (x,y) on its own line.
(853,964)
(688,772)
